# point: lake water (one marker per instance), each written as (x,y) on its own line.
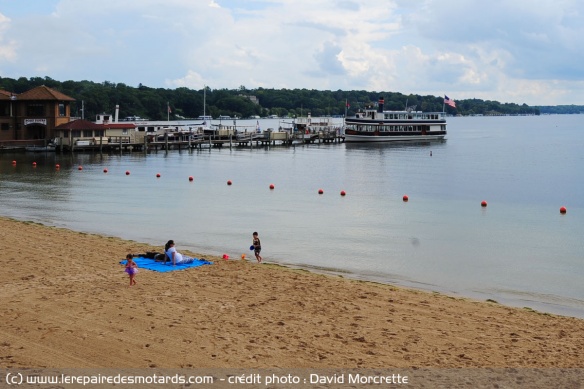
(519,250)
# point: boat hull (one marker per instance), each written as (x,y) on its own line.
(393,138)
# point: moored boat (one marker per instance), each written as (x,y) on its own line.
(378,125)
(39,149)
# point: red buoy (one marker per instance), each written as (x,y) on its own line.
(191,178)
(127,172)
(563,210)
(483,203)
(80,167)
(157,175)
(228,182)
(104,170)
(272,186)
(14,162)
(57,166)
(343,193)
(320,191)
(405,198)
(34,164)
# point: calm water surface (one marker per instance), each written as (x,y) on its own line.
(518,250)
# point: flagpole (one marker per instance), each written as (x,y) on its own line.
(167,111)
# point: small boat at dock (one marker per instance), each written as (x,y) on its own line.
(41,149)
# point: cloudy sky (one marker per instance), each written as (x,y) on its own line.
(517,51)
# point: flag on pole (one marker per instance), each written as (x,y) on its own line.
(347,104)
(449,101)
(169,111)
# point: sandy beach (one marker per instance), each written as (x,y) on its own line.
(66,304)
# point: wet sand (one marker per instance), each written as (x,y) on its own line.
(66,304)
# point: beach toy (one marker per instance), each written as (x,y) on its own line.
(242,256)
(225,256)
(563,210)
(251,247)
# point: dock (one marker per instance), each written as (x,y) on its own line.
(241,139)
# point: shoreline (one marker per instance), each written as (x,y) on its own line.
(76,311)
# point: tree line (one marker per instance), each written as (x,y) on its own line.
(93,98)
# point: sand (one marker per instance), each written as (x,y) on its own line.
(65,303)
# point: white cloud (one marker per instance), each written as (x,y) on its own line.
(501,50)
(7,47)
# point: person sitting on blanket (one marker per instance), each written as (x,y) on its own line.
(174,255)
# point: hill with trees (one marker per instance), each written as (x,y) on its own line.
(153,103)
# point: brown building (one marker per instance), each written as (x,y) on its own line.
(33,115)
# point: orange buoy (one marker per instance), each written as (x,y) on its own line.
(157,175)
(343,193)
(104,170)
(272,186)
(483,203)
(405,198)
(191,178)
(80,167)
(563,210)
(127,172)
(320,191)
(228,182)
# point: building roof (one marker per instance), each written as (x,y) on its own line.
(5,95)
(80,124)
(44,93)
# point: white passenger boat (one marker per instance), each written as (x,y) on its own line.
(378,125)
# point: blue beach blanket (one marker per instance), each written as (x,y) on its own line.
(151,264)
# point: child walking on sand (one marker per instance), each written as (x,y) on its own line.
(131,268)
(257,247)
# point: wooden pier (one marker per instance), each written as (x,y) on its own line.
(199,139)
(245,139)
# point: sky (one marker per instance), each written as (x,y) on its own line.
(516,51)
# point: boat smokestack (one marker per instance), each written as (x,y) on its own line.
(380,105)
(117,113)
